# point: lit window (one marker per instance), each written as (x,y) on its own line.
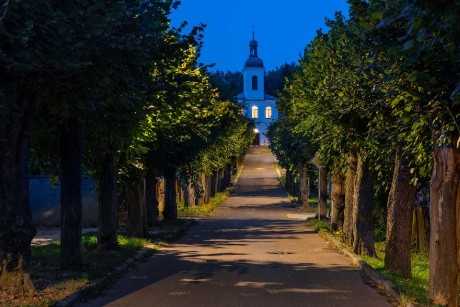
(268,112)
(255,112)
(254,83)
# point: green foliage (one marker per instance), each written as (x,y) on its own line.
(229,83)
(276,78)
(292,149)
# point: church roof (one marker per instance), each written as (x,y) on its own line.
(254,61)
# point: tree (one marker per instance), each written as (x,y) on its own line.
(292,150)
(229,83)
(428,44)
(275,79)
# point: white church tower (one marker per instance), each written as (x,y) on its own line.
(257,105)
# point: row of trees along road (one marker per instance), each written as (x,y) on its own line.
(111,89)
(377,99)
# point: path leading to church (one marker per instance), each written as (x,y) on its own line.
(252,252)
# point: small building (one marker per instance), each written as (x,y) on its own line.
(256,104)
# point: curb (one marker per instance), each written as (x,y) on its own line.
(366,270)
(74,298)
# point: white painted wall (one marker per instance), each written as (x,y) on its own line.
(248,73)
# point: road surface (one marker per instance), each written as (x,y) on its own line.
(253,251)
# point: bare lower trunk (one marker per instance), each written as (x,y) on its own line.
(170,210)
(180,193)
(304,190)
(234,166)
(160,194)
(227,175)
(207,189)
(444,245)
(200,186)
(322,194)
(214,183)
(399,219)
(338,198)
(151,197)
(189,191)
(349,192)
(289,182)
(71,150)
(108,209)
(363,203)
(137,209)
(421,228)
(220,180)
(16,230)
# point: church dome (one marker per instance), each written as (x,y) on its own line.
(253,43)
(254,62)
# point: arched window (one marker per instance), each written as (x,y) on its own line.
(255,112)
(255,85)
(268,112)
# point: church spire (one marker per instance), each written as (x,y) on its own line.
(253,46)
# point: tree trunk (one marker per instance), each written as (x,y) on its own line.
(137,209)
(151,197)
(160,193)
(234,166)
(16,230)
(170,210)
(214,183)
(227,175)
(444,225)
(199,184)
(108,209)
(322,194)
(180,193)
(338,198)
(349,194)
(189,191)
(207,189)
(220,180)
(304,187)
(289,182)
(71,150)
(420,228)
(399,219)
(363,203)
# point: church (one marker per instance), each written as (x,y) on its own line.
(257,105)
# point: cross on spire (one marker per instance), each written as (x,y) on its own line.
(253,29)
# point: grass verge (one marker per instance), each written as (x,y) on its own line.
(414,289)
(203,210)
(53,284)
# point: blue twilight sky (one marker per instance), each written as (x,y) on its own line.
(282,28)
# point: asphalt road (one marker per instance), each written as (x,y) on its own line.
(252,252)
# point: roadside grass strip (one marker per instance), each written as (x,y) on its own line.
(203,210)
(100,268)
(414,289)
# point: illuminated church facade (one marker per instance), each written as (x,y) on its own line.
(257,105)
